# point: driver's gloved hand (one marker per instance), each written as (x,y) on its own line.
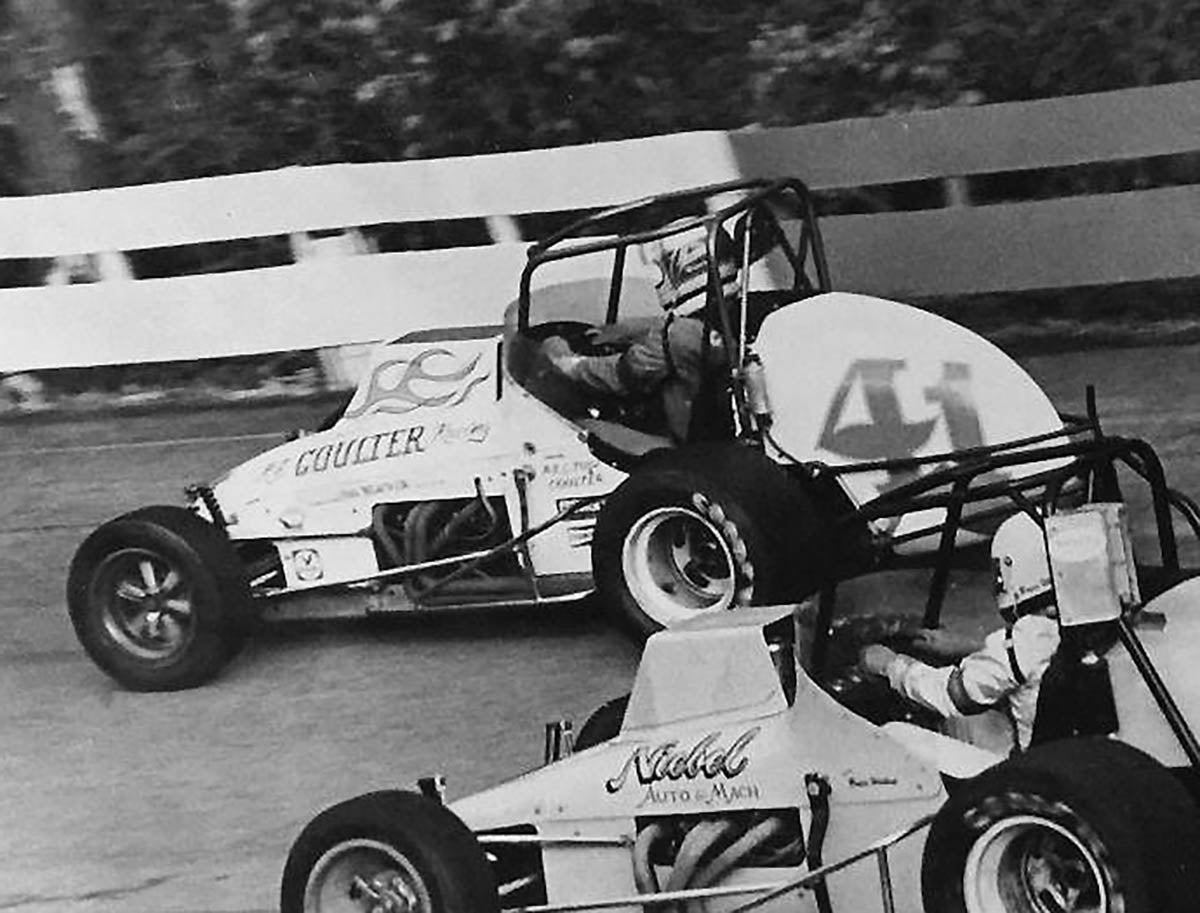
(557,351)
(877,659)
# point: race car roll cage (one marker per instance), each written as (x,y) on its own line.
(579,239)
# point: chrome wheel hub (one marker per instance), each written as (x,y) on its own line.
(677,563)
(1030,864)
(365,876)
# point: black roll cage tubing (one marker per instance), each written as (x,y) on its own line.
(1088,459)
(757,192)
(1092,458)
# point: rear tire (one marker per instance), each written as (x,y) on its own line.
(409,852)
(1082,824)
(705,529)
(158,600)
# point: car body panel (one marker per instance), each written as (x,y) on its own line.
(853,379)
(429,421)
(398,438)
(751,751)
(1169,629)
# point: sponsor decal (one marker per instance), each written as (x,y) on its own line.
(579,538)
(872,780)
(888,434)
(704,795)
(307,562)
(469,433)
(590,511)
(387,445)
(274,471)
(566,475)
(580,524)
(380,490)
(401,385)
(670,761)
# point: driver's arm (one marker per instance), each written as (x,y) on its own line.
(634,372)
(598,373)
(977,683)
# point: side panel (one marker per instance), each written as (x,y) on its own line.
(559,470)
(718,766)
(1172,648)
(319,562)
(423,423)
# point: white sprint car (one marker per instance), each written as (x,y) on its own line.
(832,433)
(735,777)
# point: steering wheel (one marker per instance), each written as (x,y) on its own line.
(577,334)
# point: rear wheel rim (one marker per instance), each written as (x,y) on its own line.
(363,876)
(677,564)
(145,602)
(1030,864)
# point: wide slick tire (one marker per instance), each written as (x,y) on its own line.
(1078,826)
(705,529)
(158,599)
(389,850)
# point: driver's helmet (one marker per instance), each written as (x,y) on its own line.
(682,261)
(1022,572)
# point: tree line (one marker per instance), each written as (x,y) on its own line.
(192,88)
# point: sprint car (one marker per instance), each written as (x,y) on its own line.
(825,440)
(739,774)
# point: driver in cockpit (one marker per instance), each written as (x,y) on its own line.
(1006,670)
(664,352)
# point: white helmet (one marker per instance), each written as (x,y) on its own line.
(682,261)
(1020,565)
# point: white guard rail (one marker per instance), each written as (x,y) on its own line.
(1117,237)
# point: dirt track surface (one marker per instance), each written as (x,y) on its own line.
(112,801)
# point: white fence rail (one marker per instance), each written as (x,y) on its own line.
(1118,237)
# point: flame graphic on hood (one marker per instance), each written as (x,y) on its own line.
(400,397)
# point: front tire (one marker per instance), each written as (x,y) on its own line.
(700,530)
(157,599)
(387,850)
(1078,825)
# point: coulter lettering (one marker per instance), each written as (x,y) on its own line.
(386,445)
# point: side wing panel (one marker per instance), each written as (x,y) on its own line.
(855,379)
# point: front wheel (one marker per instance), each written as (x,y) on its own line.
(387,851)
(157,599)
(1077,826)
(703,530)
